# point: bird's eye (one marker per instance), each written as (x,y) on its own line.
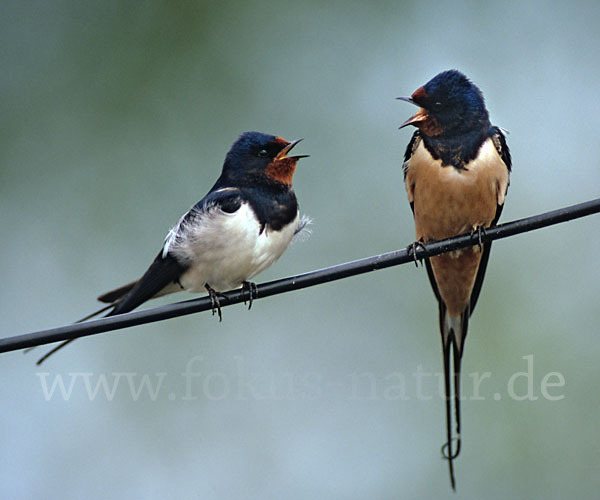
(437,105)
(262,153)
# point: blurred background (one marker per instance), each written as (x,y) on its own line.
(116,117)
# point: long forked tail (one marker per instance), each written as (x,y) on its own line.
(113,298)
(454,332)
(161,278)
(67,342)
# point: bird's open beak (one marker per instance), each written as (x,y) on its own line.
(283,153)
(419,116)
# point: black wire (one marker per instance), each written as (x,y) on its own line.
(300,281)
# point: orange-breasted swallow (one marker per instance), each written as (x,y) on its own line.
(241,227)
(456,172)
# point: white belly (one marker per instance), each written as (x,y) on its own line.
(224,250)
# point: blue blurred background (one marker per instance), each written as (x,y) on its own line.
(116,117)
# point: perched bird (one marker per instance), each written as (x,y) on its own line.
(243,225)
(456,172)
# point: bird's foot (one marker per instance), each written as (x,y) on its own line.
(214,300)
(412,250)
(252,290)
(481,231)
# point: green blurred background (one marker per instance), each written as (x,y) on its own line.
(116,117)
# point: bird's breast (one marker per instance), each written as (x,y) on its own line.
(226,249)
(448,201)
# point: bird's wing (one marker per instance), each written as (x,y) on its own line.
(164,271)
(410,149)
(117,293)
(167,268)
(226,200)
(500,143)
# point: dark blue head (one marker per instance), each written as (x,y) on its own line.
(450,105)
(257,154)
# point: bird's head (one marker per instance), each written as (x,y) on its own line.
(450,105)
(258,154)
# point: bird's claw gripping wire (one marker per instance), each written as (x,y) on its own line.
(252,290)
(214,301)
(481,232)
(412,250)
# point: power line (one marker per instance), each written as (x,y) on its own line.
(313,278)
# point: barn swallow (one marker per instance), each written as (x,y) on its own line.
(456,172)
(241,227)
